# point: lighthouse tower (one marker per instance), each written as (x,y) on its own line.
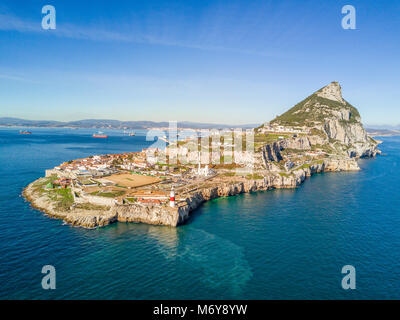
(172,198)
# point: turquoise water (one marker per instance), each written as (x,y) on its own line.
(281,244)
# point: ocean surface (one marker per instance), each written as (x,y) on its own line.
(280,244)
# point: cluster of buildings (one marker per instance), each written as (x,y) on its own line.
(99,165)
(91,177)
(275,128)
(61,183)
(315,153)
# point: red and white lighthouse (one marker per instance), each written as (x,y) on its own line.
(172,198)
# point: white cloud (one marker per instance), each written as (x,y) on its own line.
(9,22)
(13,77)
(12,23)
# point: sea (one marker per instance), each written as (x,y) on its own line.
(277,244)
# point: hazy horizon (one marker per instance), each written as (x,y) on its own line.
(369,125)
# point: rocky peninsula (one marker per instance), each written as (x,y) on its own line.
(320,134)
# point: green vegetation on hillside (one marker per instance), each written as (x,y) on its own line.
(312,110)
(324,147)
(90,206)
(110,194)
(317,132)
(62,197)
(283,174)
(254,176)
(229,174)
(261,139)
(40,184)
(131,199)
(372,140)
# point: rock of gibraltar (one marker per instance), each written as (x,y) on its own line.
(164,185)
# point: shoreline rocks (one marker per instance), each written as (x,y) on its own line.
(164,215)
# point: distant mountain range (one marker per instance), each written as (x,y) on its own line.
(383,132)
(384,127)
(113,124)
(116,124)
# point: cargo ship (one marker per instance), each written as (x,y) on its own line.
(24,132)
(99,135)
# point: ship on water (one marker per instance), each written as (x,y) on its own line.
(99,135)
(24,132)
(130,133)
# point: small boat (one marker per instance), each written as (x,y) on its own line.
(24,132)
(129,133)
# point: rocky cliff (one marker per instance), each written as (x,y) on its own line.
(164,215)
(271,152)
(268,182)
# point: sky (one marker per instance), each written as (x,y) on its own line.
(234,62)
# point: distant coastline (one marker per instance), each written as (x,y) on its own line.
(382,132)
(113,124)
(7,122)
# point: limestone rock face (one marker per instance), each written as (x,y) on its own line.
(333,91)
(271,152)
(300,143)
(268,182)
(151,214)
(352,135)
(317,139)
(342,165)
(330,119)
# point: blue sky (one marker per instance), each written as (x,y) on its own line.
(207,61)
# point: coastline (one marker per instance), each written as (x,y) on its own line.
(321,133)
(164,215)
